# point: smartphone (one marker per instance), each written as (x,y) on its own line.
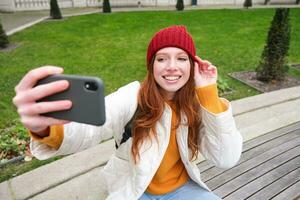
(86,94)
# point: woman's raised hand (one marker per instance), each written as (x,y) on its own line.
(205,73)
(27,95)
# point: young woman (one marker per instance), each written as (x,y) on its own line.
(176,113)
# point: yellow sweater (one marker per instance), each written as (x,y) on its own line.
(171,173)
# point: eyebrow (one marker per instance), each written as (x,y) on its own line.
(184,53)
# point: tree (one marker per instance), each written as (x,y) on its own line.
(179,5)
(54,10)
(267,2)
(3,38)
(106,6)
(272,64)
(248,3)
(297,1)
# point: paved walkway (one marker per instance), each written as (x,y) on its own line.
(17,21)
(273,116)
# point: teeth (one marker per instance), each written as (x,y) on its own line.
(172,78)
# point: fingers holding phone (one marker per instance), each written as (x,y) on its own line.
(27,96)
(32,77)
(86,94)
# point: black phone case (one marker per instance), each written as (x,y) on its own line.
(88,106)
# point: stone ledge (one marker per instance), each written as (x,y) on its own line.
(264,100)
(75,189)
(264,120)
(58,172)
(5,192)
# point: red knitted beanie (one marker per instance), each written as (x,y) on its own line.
(173,36)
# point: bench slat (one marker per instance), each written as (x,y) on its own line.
(285,188)
(270,182)
(254,173)
(214,171)
(290,193)
(250,164)
(205,165)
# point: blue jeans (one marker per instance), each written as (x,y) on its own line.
(189,191)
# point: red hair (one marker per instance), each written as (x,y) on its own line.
(151,106)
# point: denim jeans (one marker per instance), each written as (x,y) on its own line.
(189,191)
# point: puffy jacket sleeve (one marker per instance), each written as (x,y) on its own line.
(119,107)
(221,142)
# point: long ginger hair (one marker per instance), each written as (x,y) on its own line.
(151,106)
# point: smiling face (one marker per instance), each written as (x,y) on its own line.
(171,69)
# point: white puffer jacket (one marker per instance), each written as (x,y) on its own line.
(222,144)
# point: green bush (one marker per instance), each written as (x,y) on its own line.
(3,38)
(106,6)
(179,5)
(248,3)
(272,64)
(54,10)
(223,86)
(13,141)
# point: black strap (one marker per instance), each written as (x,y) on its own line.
(127,132)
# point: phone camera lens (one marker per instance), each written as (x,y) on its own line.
(90,86)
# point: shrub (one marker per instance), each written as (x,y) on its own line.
(272,64)
(106,6)
(54,10)
(3,38)
(13,141)
(179,5)
(223,86)
(247,3)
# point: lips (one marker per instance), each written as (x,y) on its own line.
(172,78)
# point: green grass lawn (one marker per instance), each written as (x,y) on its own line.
(113,47)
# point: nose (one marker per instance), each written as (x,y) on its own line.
(172,65)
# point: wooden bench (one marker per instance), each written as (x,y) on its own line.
(268,169)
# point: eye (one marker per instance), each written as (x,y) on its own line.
(182,59)
(159,59)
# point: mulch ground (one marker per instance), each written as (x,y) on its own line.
(249,78)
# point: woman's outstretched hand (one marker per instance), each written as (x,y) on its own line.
(205,73)
(27,95)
